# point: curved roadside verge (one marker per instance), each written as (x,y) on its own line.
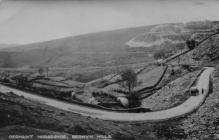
(187,107)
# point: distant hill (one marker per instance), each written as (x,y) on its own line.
(109,48)
(103,48)
(3,46)
(169,34)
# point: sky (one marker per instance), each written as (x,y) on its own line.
(28,21)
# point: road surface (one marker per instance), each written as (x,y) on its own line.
(188,106)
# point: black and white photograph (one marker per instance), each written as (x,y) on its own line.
(109,69)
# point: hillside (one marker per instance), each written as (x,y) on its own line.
(103,48)
(94,55)
(109,48)
(3,46)
(170,34)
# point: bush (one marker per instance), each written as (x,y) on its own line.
(159,54)
(163,53)
(134,100)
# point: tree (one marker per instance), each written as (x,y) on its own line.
(159,54)
(191,44)
(43,71)
(40,71)
(129,81)
(129,78)
(164,53)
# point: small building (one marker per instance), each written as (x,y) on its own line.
(92,100)
(123,100)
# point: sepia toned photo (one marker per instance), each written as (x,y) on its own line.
(109,70)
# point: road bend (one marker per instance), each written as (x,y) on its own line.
(188,106)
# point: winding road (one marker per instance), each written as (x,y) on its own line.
(188,106)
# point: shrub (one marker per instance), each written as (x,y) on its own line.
(163,53)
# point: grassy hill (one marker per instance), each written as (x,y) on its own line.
(96,49)
(109,48)
(168,34)
(106,52)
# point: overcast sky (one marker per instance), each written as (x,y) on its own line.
(26,21)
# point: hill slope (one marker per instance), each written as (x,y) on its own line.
(110,48)
(167,34)
(84,50)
